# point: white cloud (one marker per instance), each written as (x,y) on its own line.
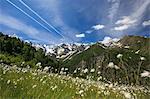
(89,31)
(121,28)
(98,27)
(146,23)
(125,20)
(133,19)
(80,35)
(125,23)
(107,41)
(20,26)
(113,9)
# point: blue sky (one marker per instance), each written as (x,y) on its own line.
(85,21)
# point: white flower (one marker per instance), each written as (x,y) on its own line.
(46,69)
(85,70)
(99,78)
(142,58)
(38,65)
(53,88)
(127,95)
(62,69)
(8,82)
(81,91)
(127,47)
(92,70)
(98,72)
(66,69)
(137,51)
(111,65)
(75,71)
(119,55)
(116,67)
(145,74)
(34,86)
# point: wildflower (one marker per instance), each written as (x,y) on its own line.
(111,65)
(79,68)
(98,72)
(28,66)
(145,74)
(85,70)
(116,67)
(66,69)
(142,58)
(22,63)
(110,86)
(75,71)
(39,65)
(119,56)
(34,86)
(127,95)
(127,47)
(53,88)
(24,70)
(81,91)
(8,82)
(46,69)
(92,70)
(137,51)
(62,69)
(99,78)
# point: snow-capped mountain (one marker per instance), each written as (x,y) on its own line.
(62,50)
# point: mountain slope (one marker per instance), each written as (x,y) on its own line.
(122,64)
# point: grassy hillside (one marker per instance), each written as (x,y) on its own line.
(17,83)
(123,64)
(15,51)
(116,64)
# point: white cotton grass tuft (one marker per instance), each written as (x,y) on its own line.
(119,56)
(46,69)
(92,70)
(127,95)
(142,58)
(81,91)
(8,81)
(34,86)
(85,71)
(137,52)
(145,74)
(112,65)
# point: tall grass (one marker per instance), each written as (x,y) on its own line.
(16,83)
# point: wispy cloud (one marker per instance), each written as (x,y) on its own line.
(80,35)
(95,28)
(124,23)
(98,27)
(146,23)
(30,31)
(113,9)
(133,19)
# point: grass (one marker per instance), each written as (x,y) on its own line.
(17,83)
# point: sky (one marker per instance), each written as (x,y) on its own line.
(69,21)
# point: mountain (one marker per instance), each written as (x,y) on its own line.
(124,61)
(62,51)
(15,51)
